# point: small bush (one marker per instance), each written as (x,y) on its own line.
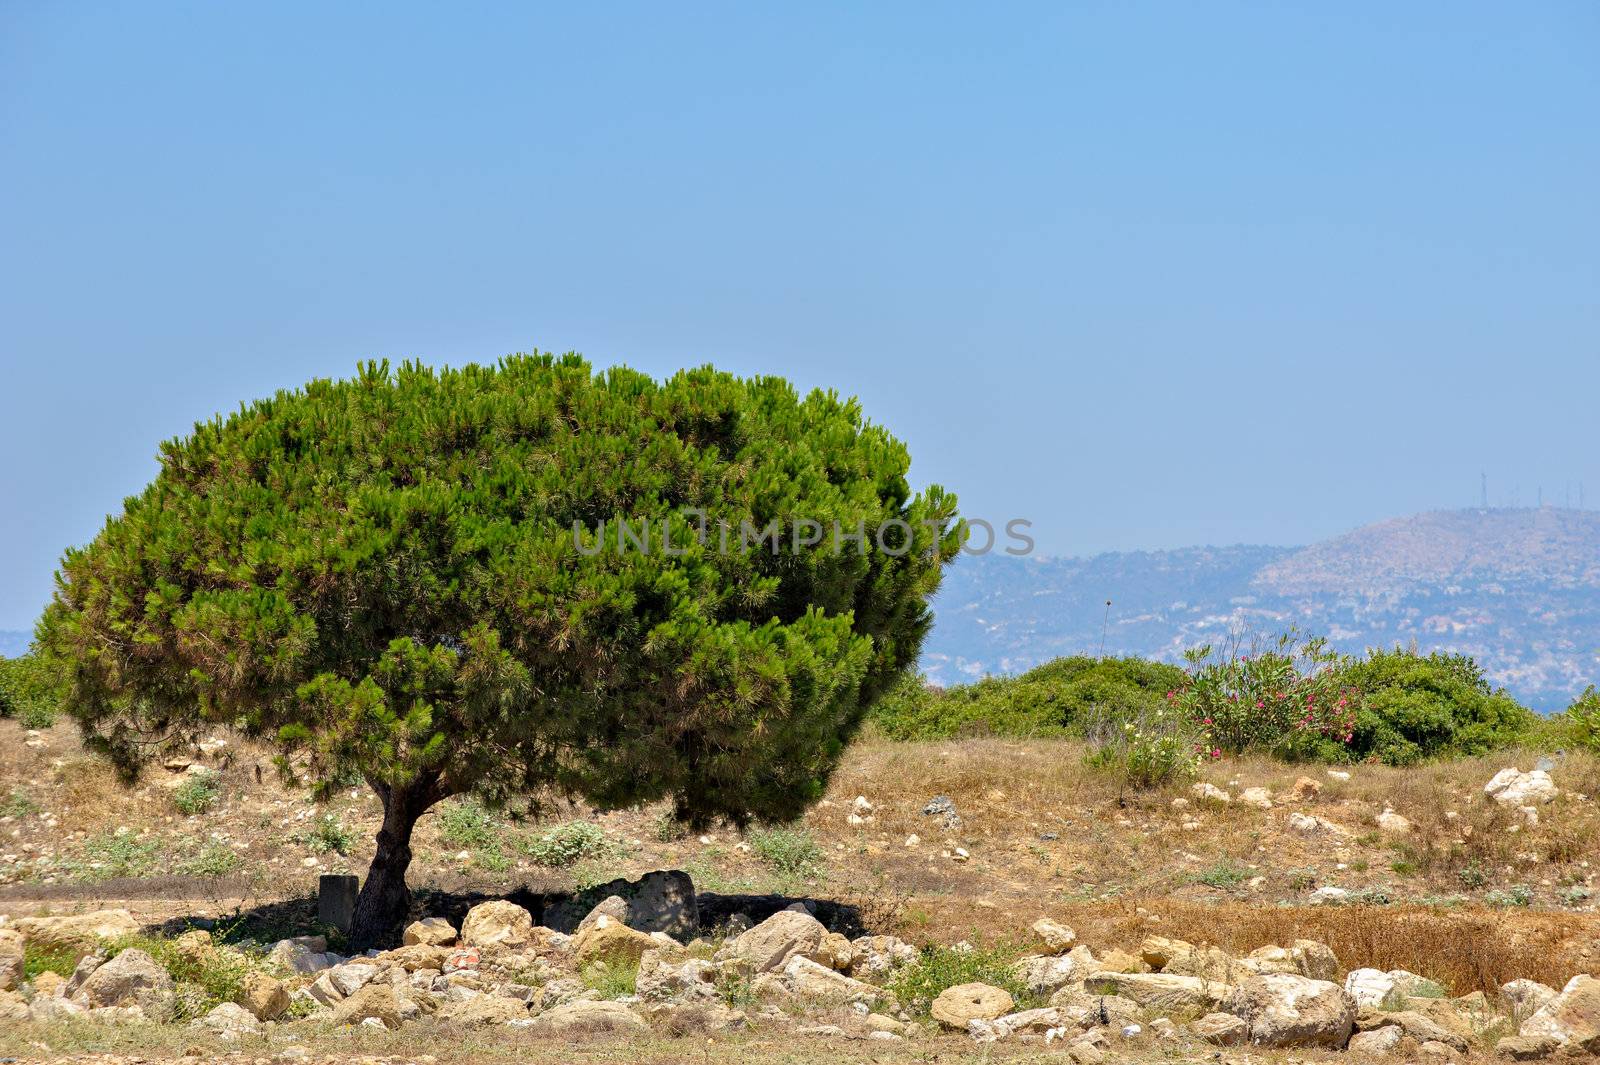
(1583,720)
(198,793)
(567,844)
(1146,746)
(327,834)
(205,977)
(1224,874)
(1286,699)
(1518,896)
(29,691)
(467,824)
(790,852)
(937,969)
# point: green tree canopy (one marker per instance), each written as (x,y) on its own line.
(382,575)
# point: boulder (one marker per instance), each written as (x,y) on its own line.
(816,982)
(1305,789)
(1370,987)
(1042,975)
(79,933)
(767,946)
(1306,957)
(1526,1047)
(483,1010)
(1393,823)
(1526,997)
(1161,991)
(132,978)
(350,977)
(12,955)
(302,954)
(1158,951)
(1571,1019)
(229,1022)
(1056,937)
(1286,1010)
(47,1008)
(1377,1042)
(1088,1010)
(611,907)
(611,941)
(662,901)
(879,955)
(497,924)
(1208,963)
(1209,792)
(13,1008)
(662,981)
(264,997)
(385,1003)
(584,1018)
(1220,1029)
(1260,798)
(415,957)
(430,931)
(958,1005)
(835,952)
(1510,787)
(1425,1029)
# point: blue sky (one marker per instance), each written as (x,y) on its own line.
(1146,274)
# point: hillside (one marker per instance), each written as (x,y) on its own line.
(1517,589)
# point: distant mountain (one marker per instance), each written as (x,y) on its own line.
(13,644)
(1519,590)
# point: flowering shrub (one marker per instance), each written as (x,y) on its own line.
(1146,746)
(1290,700)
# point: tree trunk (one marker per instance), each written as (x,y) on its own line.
(384,900)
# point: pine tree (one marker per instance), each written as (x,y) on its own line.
(414,576)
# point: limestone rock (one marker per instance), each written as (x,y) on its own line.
(12,953)
(612,907)
(79,933)
(816,982)
(1209,792)
(132,978)
(1377,1042)
(1286,1010)
(1220,1029)
(1056,937)
(1260,798)
(611,941)
(584,1018)
(1572,1018)
(767,946)
(483,1010)
(497,924)
(1509,787)
(661,981)
(1043,975)
(1161,991)
(970,1002)
(879,955)
(12,1007)
(230,1021)
(1526,997)
(661,901)
(386,1003)
(430,931)
(264,997)
(1307,957)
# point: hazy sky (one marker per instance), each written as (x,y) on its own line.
(1147,274)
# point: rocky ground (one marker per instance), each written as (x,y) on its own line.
(1263,913)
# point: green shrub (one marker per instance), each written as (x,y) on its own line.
(29,691)
(937,969)
(1583,720)
(567,844)
(198,793)
(17,803)
(791,852)
(1225,874)
(467,824)
(1419,707)
(613,977)
(1060,698)
(327,834)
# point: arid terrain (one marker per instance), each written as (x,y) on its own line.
(936,843)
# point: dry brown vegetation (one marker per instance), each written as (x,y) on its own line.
(1041,835)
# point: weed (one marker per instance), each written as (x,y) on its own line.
(327,834)
(468,825)
(613,978)
(790,852)
(198,793)
(38,958)
(214,859)
(1223,875)
(18,804)
(937,969)
(212,975)
(567,844)
(1518,895)
(1472,875)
